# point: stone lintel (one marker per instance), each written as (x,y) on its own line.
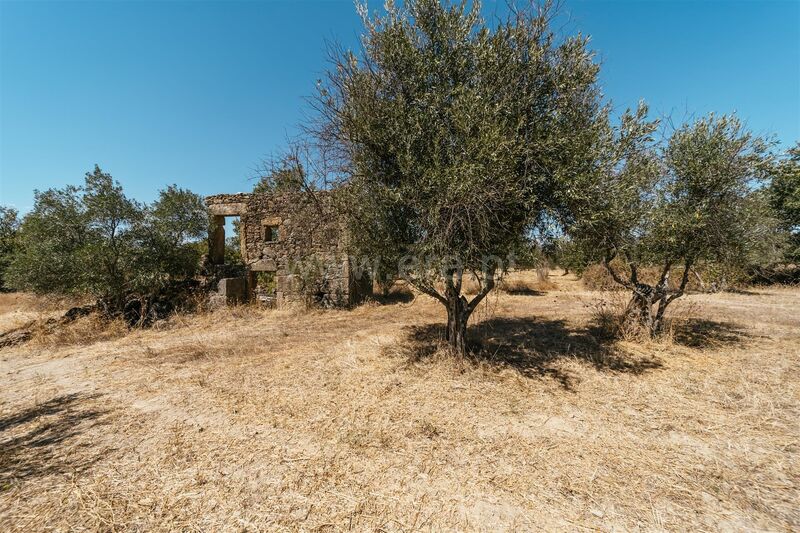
(228,210)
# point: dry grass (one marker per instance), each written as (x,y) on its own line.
(247,419)
(522,283)
(18,309)
(39,320)
(527,283)
(83,331)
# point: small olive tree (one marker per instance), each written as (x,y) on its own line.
(691,201)
(451,137)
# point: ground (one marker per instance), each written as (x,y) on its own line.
(247,420)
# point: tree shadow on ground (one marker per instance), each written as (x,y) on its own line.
(44,439)
(702,333)
(740,291)
(523,291)
(394,297)
(533,348)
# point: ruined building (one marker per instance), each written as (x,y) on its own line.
(293,249)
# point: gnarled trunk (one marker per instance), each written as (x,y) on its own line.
(639,312)
(648,303)
(459,309)
(458,314)
(645,312)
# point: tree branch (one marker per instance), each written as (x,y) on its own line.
(485,289)
(425,289)
(684,280)
(663,280)
(607,264)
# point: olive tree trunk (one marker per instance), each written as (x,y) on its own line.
(459,308)
(648,303)
(457,317)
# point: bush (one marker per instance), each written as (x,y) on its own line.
(8,232)
(93,240)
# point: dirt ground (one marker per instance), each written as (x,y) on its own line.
(250,420)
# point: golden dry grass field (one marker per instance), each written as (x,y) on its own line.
(251,420)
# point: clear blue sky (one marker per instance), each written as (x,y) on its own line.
(197,93)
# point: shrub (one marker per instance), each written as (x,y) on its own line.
(8,232)
(93,240)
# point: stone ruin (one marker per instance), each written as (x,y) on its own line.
(293,249)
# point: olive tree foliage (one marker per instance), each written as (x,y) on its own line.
(672,206)
(94,240)
(109,244)
(166,240)
(233,245)
(451,137)
(563,252)
(75,240)
(784,197)
(9,223)
(283,174)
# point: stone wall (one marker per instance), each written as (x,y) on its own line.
(298,237)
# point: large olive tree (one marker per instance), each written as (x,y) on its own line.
(689,201)
(453,137)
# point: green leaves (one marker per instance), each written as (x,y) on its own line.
(691,199)
(712,165)
(784,197)
(286,174)
(94,240)
(9,225)
(454,137)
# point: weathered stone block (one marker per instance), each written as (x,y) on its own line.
(233,290)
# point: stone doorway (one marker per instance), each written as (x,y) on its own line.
(226,240)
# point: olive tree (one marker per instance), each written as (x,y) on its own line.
(784,197)
(451,138)
(283,174)
(9,223)
(94,240)
(165,240)
(75,240)
(689,201)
